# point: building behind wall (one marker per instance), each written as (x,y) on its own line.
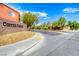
(9,13)
(10,20)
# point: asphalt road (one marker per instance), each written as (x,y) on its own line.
(55,44)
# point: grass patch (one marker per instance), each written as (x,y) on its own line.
(15,37)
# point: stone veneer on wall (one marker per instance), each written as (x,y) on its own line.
(7,26)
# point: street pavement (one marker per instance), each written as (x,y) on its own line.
(56,44)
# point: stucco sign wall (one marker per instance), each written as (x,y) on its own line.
(7,26)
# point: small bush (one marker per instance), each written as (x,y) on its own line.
(45,28)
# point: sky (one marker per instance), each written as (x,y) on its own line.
(49,12)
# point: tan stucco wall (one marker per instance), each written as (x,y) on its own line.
(10,28)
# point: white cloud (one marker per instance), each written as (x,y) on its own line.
(40,14)
(71,10)
(39,23)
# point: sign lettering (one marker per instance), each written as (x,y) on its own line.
(12,25)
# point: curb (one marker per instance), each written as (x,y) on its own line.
(14,49)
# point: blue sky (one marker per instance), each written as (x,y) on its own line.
(49,11)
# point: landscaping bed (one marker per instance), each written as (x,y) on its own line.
(15,37)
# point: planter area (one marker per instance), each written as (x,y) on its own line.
(15,37)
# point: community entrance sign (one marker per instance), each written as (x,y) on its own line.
(7,26)
(12,25)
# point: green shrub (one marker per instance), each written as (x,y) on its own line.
(45,28)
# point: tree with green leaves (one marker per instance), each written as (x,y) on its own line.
(59,24)
(55,25)
(73,25)
(29,19)
(44,26)
(62,22)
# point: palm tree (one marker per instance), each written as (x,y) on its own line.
(29,19)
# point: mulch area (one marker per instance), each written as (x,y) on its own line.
(15,37)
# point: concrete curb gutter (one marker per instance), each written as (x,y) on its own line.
(56,32)
(14,49)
